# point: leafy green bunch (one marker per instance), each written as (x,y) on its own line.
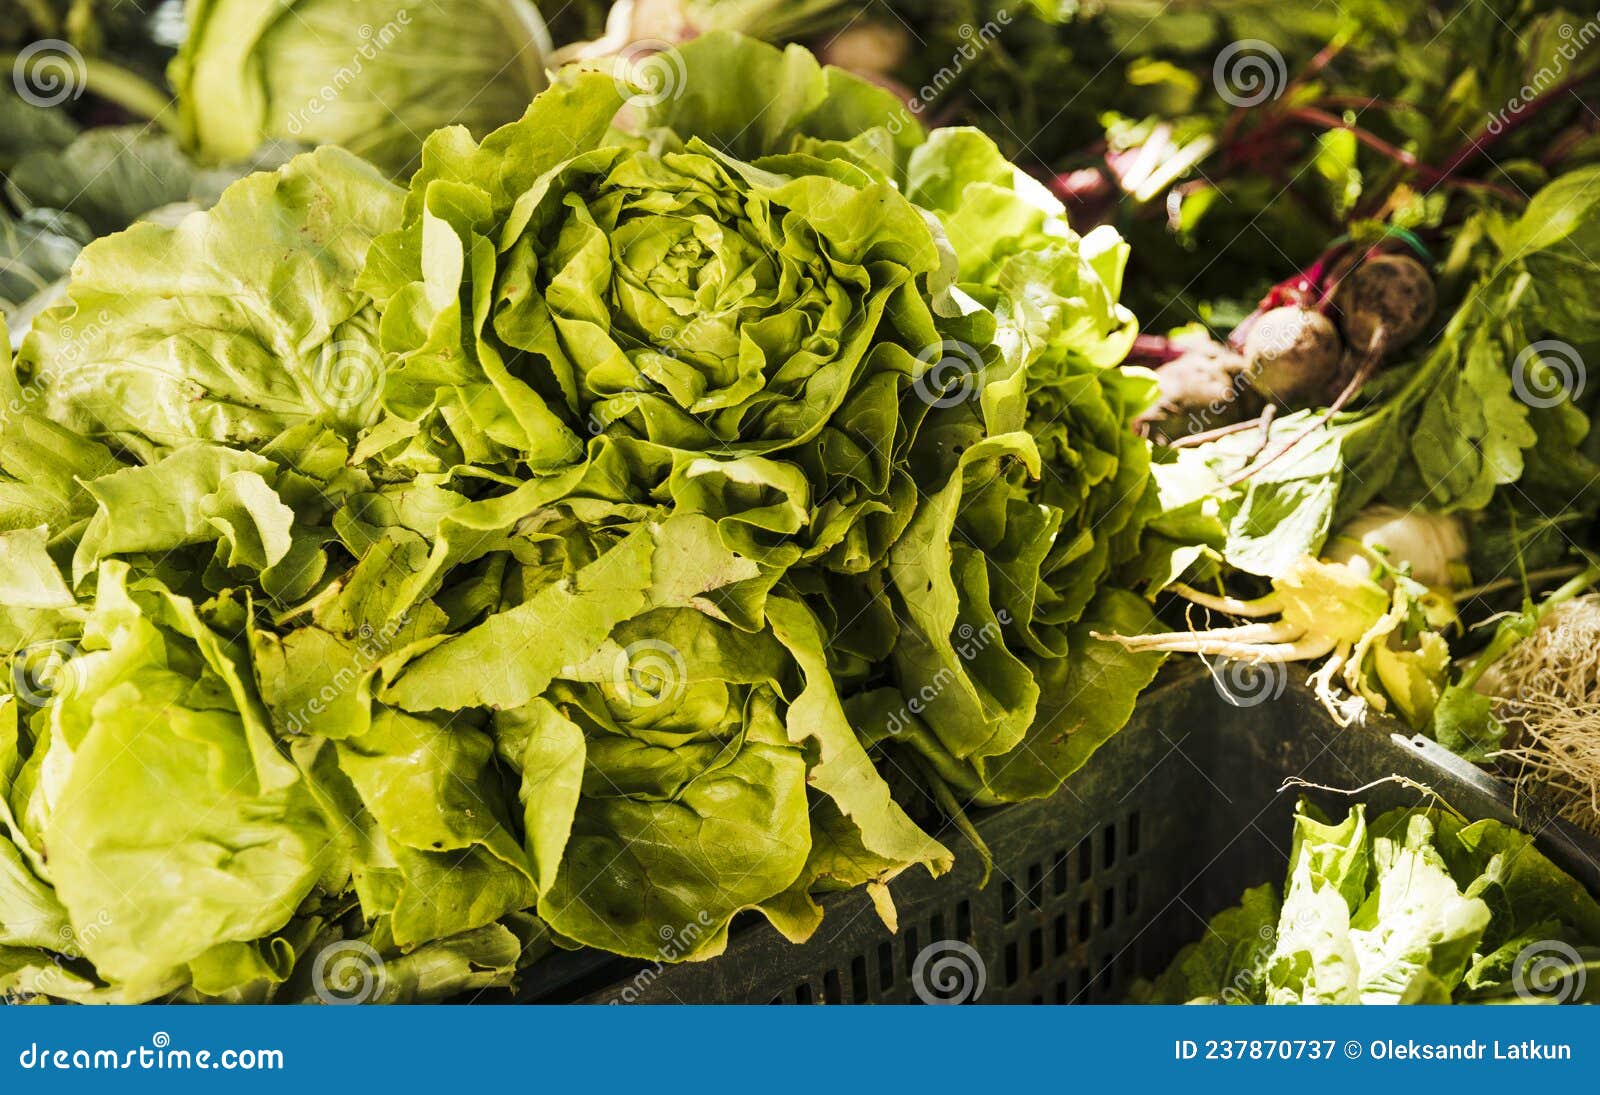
(1415,906)
(578,547)
(1492,404)
(373,76)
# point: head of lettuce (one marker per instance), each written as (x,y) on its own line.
(729,476)
(373,76)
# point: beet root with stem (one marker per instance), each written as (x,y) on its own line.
(1393,294)
(1202,389)
(1293,357)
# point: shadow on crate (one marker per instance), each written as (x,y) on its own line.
(1092,888)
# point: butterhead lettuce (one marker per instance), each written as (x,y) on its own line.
(373,76)
(584,546)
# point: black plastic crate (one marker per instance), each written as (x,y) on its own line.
(1096,886)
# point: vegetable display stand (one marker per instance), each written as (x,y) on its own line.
(1096,886)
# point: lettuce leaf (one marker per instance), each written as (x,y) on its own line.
(356,75)
(1417,906)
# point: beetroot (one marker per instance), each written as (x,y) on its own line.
(1391,293)
(1201,390)
(1293,356)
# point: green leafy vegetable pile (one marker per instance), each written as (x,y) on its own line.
(1416,907)
(607,534)
(1469,413)
(117,109)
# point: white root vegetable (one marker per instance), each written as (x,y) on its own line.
(1296,354)
(1432,545)
(1233,606)
(1323,610)
(1285,644)
(1293,356)
(1201,390)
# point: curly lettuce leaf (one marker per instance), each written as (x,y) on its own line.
(235,835)
(234,326)
(1418,906)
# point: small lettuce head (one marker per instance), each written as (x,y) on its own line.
(373,76)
